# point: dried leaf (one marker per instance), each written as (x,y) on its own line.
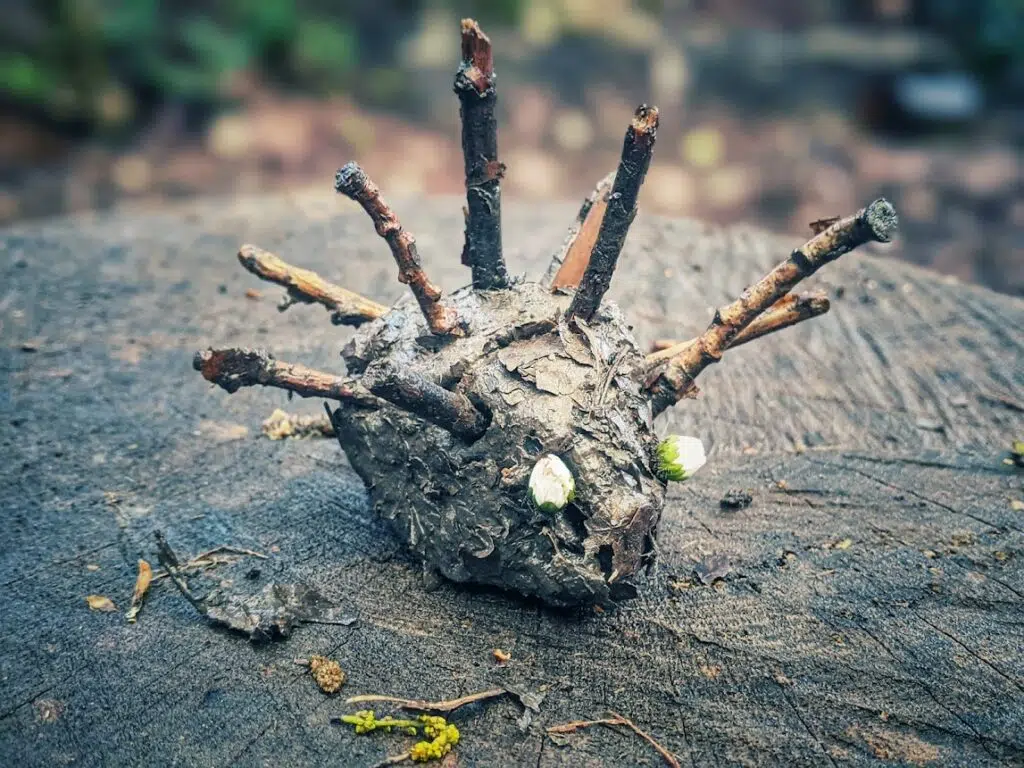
(100,603)
(142,582)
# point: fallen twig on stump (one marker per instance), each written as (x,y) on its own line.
(616,720)
(422,705)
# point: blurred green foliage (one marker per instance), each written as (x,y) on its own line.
(96,62)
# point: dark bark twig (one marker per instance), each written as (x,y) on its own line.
(346,307)
(414,393)
(474,85)
(875,223)
(568,265)
(352,181)
(231,369)
(789,310)
(165,555)
(636,158)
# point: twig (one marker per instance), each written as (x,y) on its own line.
(234,368)
(577,725)
(166,557)
(352,181)
(393,760)
(474,85)
(668,756)
(877,222)
(613,721)
(789,310)
(227,549)
(422,705)
(636,157)
(347,308)
(568,265)
(416,394)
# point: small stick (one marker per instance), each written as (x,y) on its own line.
(474,85)
(393,760)
(346,307)
(789,310)
(234,368)
(618,719)
(877,222)
(352,181)
(577,725)
(636,158)
(227,549)
(568,265)
(422,705)
(669,758)
(414,393)
(165,555)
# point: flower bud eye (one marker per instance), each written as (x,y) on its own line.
(679,456)
(551,484)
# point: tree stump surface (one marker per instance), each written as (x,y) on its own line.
(872,609)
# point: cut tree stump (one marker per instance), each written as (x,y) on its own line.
(872,605)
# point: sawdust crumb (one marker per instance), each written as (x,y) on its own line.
(327,674)
(49,710)
(222,431)
(281,425)
(710,671)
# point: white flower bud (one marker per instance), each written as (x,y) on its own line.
(551,484)
(679,456)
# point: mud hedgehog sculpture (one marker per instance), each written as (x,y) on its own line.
(450,402)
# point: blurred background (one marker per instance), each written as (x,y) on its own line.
(777,112)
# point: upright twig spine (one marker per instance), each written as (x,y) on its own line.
(352,181)
(636,158)
(474,85)
(877,222)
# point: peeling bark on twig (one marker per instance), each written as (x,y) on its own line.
(789,310)
(414,393)
(568,265)
(474,85)
(636,158)
(303,285)
(352,181)
(875,223)
(231,369)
